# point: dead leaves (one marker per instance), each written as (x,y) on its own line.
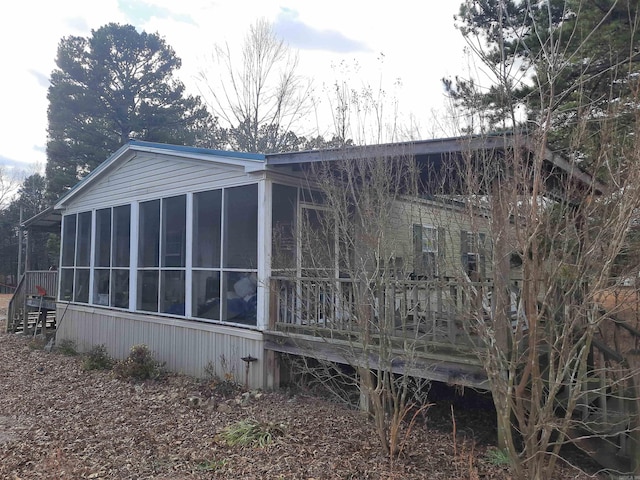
(59,421)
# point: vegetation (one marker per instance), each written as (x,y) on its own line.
(67,347)
(257,93)
(98,359)
(115,85)
(577,58)
(547,348)
(347,237)
(251,432)
(30,200)
(139,365)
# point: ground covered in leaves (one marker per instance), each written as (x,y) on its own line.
(59,421)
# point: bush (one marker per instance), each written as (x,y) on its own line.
(98,359)
(251,432)
(67,347)
(139,365)
(225,386)
(497,457)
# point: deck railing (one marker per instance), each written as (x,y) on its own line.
(27,288)
(427,310)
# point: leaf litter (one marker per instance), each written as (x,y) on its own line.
(59,421)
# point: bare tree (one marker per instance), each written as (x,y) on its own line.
(546,331)
(257,94)
(339,291)
(9,184)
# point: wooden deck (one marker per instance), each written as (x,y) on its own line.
(422,329)
(418,320)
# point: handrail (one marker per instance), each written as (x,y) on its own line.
(47,279)
(17,299)
(426,309)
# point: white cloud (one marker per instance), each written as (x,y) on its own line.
(417,39)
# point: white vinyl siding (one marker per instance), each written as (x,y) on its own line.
(147,177)
(186,346)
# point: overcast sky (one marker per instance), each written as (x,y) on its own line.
(408,45)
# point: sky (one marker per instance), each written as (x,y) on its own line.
(403,46)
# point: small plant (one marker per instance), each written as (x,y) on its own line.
(497,457)
(225,386)
(98,359)
(139,365)
(251,432)
(211,465)
(67,347)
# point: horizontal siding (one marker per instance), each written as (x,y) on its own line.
(448,220)
(147,176)
(186,346)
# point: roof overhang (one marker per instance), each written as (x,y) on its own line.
(46,221)
(438,148)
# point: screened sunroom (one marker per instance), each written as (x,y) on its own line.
(193,255)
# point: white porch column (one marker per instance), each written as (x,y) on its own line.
(264,252)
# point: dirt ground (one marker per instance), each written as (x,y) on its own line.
(58,421)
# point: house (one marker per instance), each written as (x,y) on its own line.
(182,249)
(225,261)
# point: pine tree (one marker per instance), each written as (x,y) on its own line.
(115,85)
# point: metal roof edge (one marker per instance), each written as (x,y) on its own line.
(198,150)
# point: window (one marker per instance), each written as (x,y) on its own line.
(108,270)
(225,254)
(121,246)
(111,272)
(220,261)
(426,244)
(161,255)
(283,239)
(67,262)
(473,251)
(76,253)
(102,262)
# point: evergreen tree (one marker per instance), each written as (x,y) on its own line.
(578,59)
(115,85)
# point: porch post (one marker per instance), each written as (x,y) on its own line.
(19,248)
(271,363)
(264,252)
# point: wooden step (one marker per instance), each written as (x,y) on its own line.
(33,319)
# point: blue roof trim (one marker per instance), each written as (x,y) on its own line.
(203,151)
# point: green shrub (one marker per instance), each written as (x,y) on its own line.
(497,457)
(67,347)
(251,432)
(98,359)
(139,365)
